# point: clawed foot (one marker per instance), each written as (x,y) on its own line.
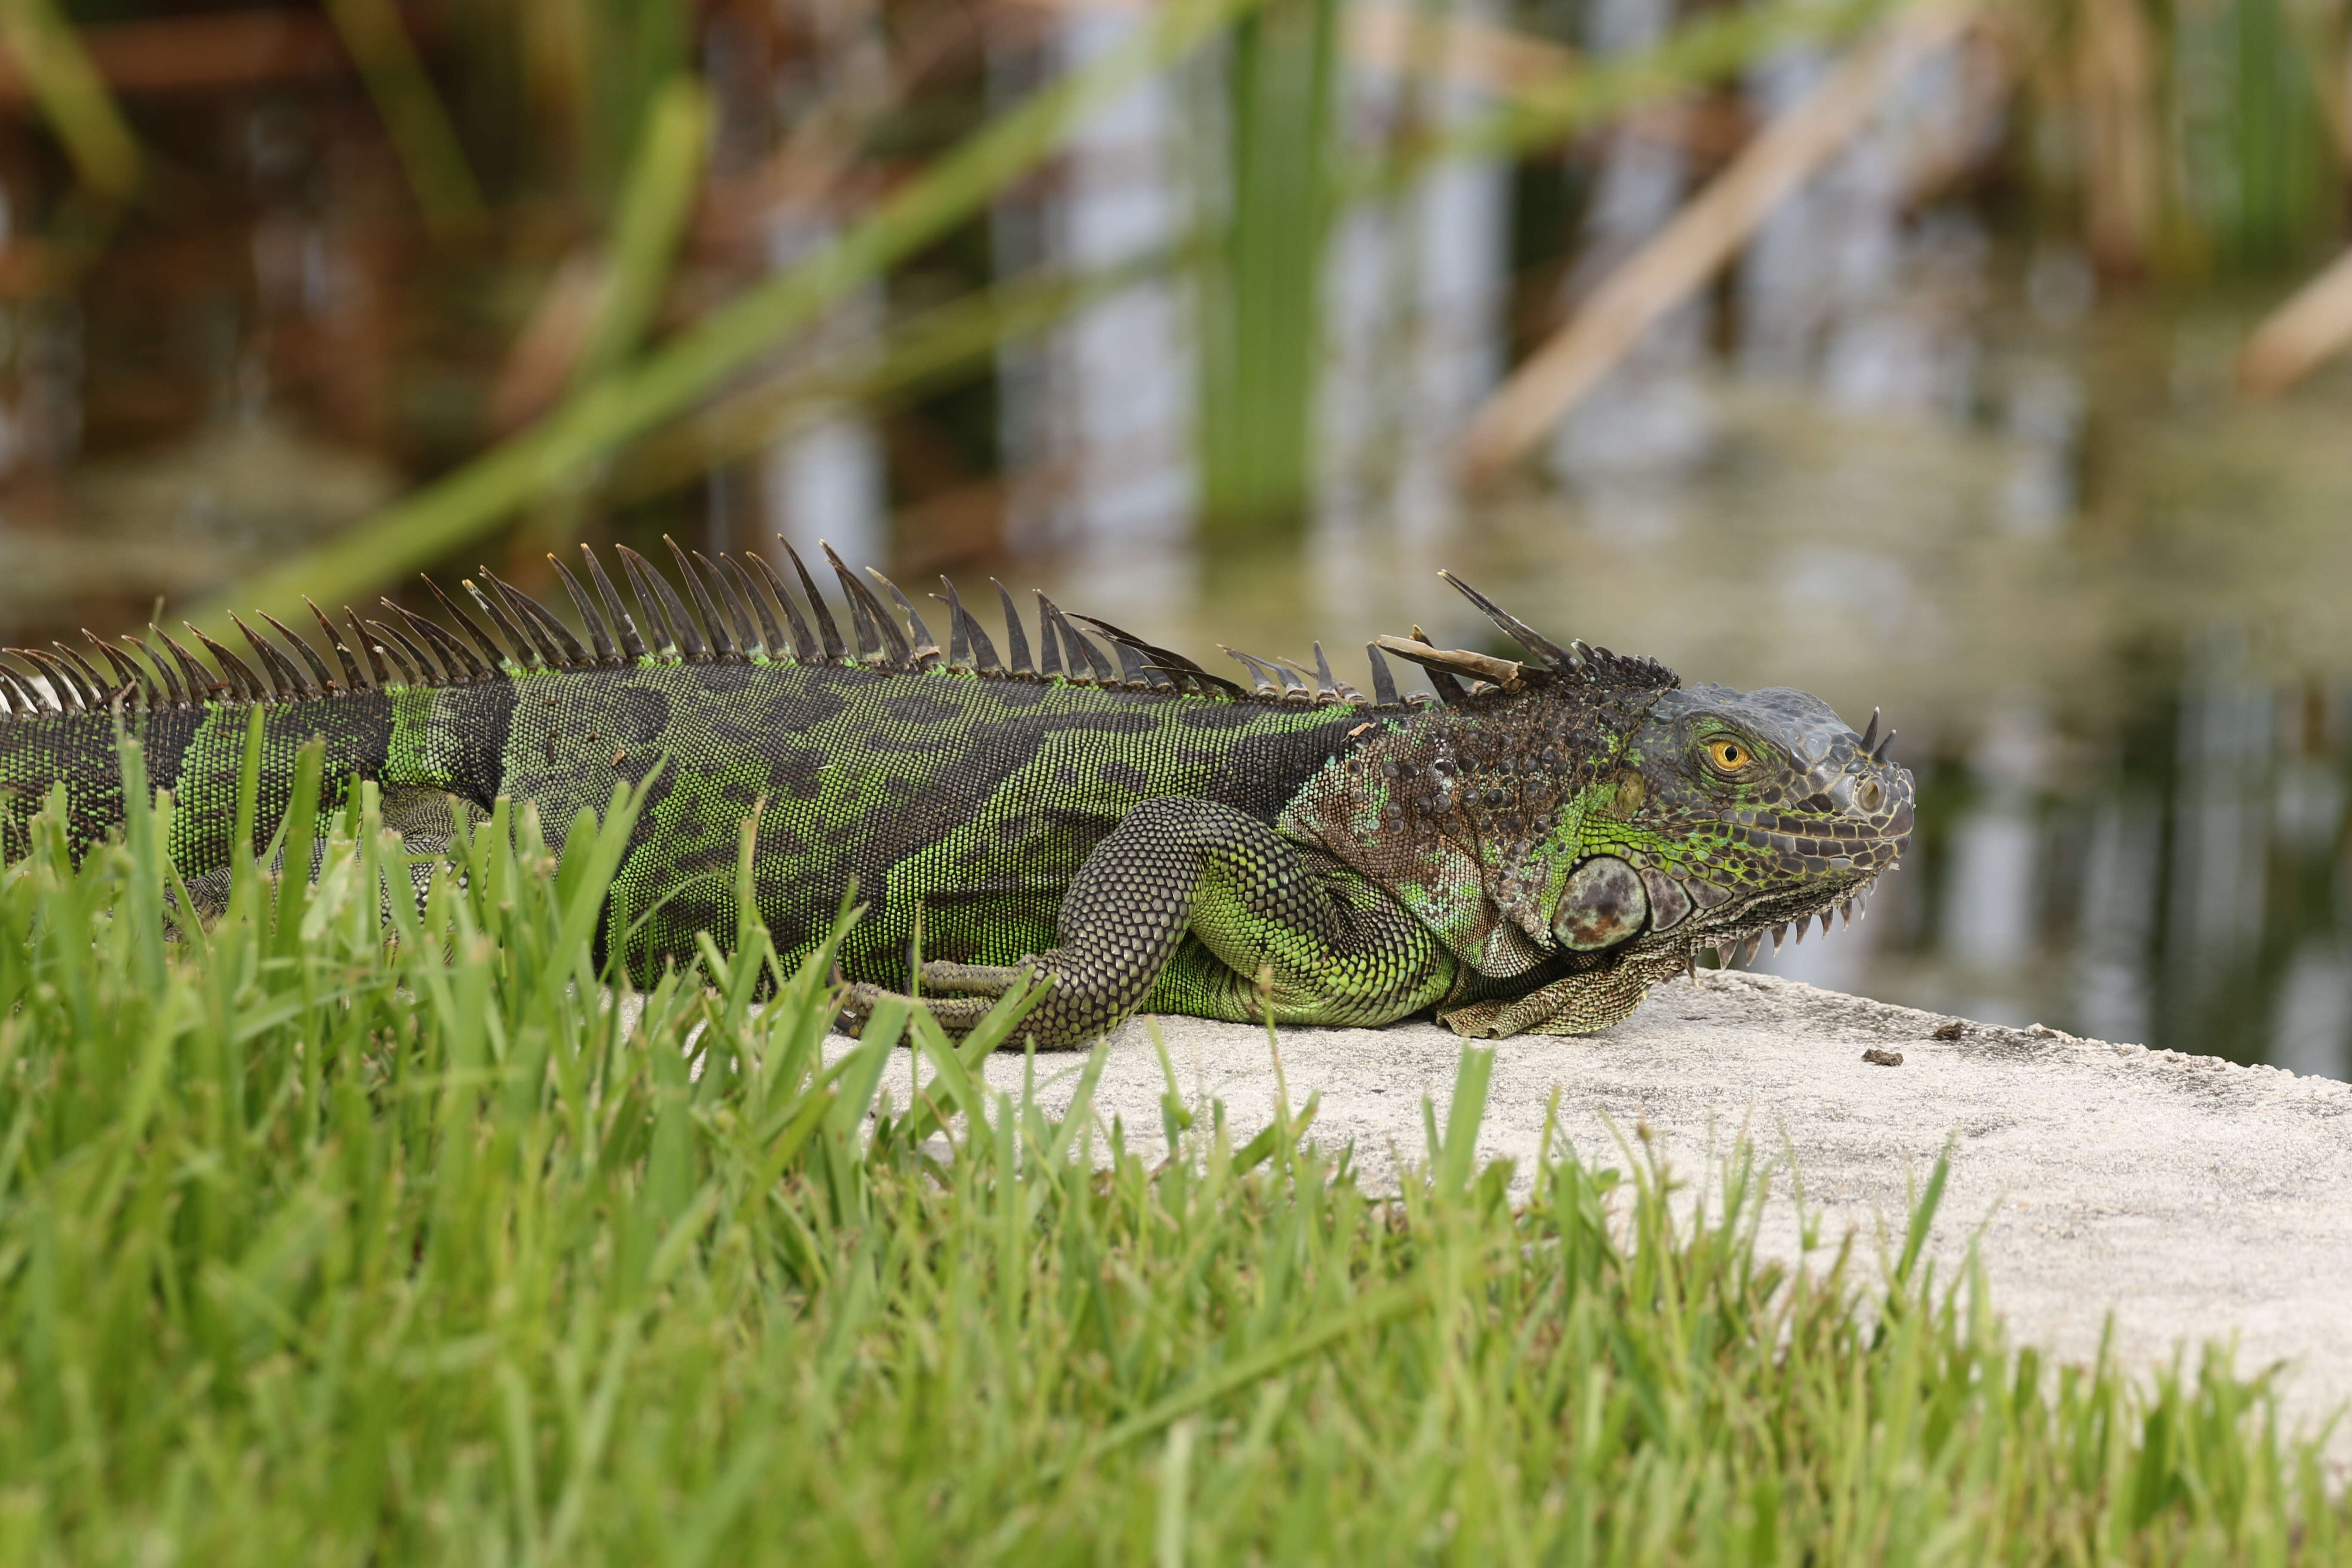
(954,1014)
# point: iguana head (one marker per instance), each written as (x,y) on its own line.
(1738,813)
(1581,810)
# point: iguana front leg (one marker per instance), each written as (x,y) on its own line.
(1332,947)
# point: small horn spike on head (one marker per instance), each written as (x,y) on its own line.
(1548,653)
(1869,733)
(633,645)
(1016,640)
(1878,755)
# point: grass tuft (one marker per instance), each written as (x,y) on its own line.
(357,1227)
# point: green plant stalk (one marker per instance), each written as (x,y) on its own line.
(73,97)
(1262,335)
(917,355)
(422,135)
(655,200)
(464,505)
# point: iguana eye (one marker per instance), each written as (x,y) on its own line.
(1729,756)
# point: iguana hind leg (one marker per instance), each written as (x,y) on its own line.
(1331,947)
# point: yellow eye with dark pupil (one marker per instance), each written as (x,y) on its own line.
(1729,756)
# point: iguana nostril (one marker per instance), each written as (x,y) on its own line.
(1869,797)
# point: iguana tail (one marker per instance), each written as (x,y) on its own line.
(58,717)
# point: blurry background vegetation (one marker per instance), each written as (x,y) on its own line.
(1968,360)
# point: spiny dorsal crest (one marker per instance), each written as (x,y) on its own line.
(732,613)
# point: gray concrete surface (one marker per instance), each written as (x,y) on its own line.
(2194,1199)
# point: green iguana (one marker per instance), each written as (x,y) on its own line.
(1529,850)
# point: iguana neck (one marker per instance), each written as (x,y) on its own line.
(1469,814)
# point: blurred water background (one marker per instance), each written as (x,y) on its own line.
(1970,363)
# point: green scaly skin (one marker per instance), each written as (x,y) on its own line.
(1529,857)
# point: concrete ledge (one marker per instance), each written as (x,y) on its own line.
(2192,1198)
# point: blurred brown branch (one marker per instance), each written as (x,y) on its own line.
(1702,237)
(182,54)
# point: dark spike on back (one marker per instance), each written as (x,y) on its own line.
(463,663)
(351,675)
(410,665)
(867,611)
(633,647)
(322,678)
(828,631)
(1564,660)
(527,652)
(1016,640)
(240,678)
(1049,656)
(805,648)
(555,640)
(922,647)
(723,644)
(429,666)
(665,644)
(684,639)
(767,638)
(982,651)
(126,673)
(102,690)
(467,636)
(282,673)
(21,697)
(174,692)
(600,636)
(62,681)
(200,681)
(367,647)
(1261,674)
(959,640)
(1384,686)
(1076,649)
